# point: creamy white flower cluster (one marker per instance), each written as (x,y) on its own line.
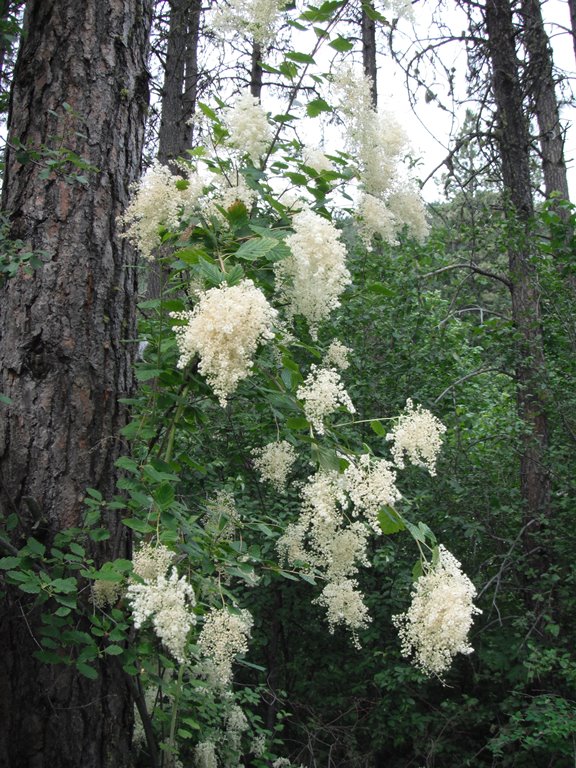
(321,539)
(224,636)
(435,627)
(313,277)
(168,601)
(316,159)
(257,19)
(150,561)
(205,755)
(105,592)
(337,356)
(236,725)
(418,435)
(225,329)
(247,123)
(371,484)
(322,393)
(344,605)
(274,462)
(156,202)
(324,538)
(378,142)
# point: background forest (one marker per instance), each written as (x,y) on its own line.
(232,339)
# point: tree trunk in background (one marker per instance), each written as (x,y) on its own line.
(66,352)
(256,71)
(514,149)
(541,89)
(572,8)
(180,88)
(369,50)
(179,96)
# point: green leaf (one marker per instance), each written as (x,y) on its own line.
(35,547)
(113,650)
(125,462)
(417,570)
(300,58)
(341,44)
(86,670)
(145,374)
(138,525)
(77,549)
(256,248)
(9,562)
(5,399)
(67,586)
(378,428)
(316,107)
(390,521)
(164,495)
(49,657)
(298,423)
(326,458)
(205,109)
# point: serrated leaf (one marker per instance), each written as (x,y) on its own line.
(341,44)
(137,525)
(35,546)
(145,374)
(300,58)
(9,562)
(390,521)
(256,248)
(316,107)
(164,495)
(125,462)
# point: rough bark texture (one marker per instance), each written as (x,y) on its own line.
(369,51)
(65,349)
(542,91)
(180,88)
(256,70)
(514,144)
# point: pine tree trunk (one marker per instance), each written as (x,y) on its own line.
(256,71)
(572,8)
(542,90)
(180,88)
(179,96)
(66,350)
(514,150)
(369,51)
